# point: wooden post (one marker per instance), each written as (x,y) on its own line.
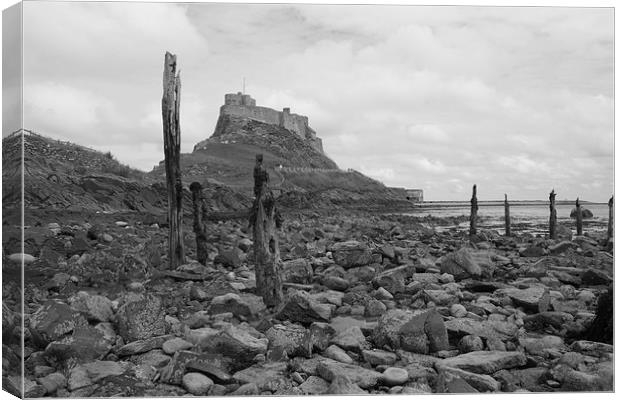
(610,223)
(264,218)
(579,218)
(200,218)
(553,216)
(507,214)
(474,212)
(170,103)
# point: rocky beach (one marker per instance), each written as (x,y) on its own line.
(373,304)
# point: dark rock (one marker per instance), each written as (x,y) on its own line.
(293,340)
(461,264)
(297,271)
(535,299)
(141,318)
(93,307)
(484,362)
(85,344)
(364,378)
(336,283)
(300,307)
(351,254)
(142,346)
(229,258)
(595,277)
(53,320)
(246,305)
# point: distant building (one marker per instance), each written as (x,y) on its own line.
(243,105)
(416,195)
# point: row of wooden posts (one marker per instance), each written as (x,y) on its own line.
(553,218)
(264,216)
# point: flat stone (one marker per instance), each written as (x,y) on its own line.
(379,357)
(393,376)
(265,376)
(484,362)
(177,344)
(84,344)
(336,353)
(351,339)
(364,378)
(343,385)
(461,264)
(535,299)
(292,339)
(485,329)
(142,346)
(482,383)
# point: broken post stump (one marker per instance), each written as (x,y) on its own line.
(264,219)
(553,216)
(200,217)
(507,214)
(610,222)
(170,103)
(579,218)
(474,212)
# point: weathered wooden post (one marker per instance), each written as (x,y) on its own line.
(170,103)
(507,214)
(610,222)
(266,250)
(579,218)
(474,212)
(200,218)
(553,216)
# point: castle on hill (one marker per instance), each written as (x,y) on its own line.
(243,105)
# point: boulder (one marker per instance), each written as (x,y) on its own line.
(196,383)
(594,277)
(460,264)
(535,299)
(84,344)
(364,378)
(93,307)
(351,254)
(482,383)
(141,318)
(53,320)
(484,362)
(469,343)
(336,353)
(315,385)
(336,283)
(292,339)
(245,305)
(352,339)
(343,385)
(238,343)
(388,327)
(300,307)
(379,357)
(393,376)
(176,344)
(297,271)
(422,329)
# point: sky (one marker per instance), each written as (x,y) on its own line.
(517,100)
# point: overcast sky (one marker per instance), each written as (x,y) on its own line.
(517,100)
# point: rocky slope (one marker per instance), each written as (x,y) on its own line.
(304,176)
(66,176)
(378,305)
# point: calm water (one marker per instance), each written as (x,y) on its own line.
(524,218)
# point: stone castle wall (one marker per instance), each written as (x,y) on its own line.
(243,105)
